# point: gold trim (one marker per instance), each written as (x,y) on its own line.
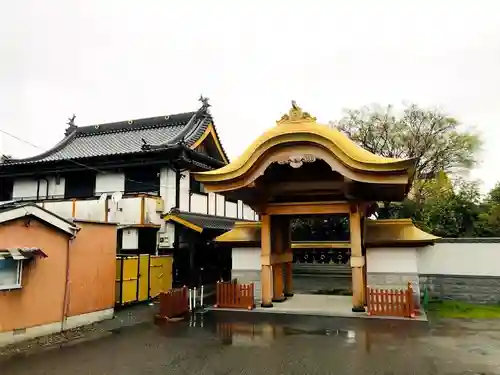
(181,221)
(307,208)
(210,130)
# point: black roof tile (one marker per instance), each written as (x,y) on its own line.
(124,137)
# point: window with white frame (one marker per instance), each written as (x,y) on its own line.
(10,273)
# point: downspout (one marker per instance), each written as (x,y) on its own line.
(66,287)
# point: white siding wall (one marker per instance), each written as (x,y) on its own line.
(25,188)
(184,191)
(56,190)
(109,183)
(246,258)
(466,259)
(211,204)
(220,203)
(392,260)
(461,259)
(231,209)
(130,239)
(167,188)
(199,203)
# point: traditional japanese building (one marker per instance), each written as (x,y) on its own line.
(301,168)
(136,173)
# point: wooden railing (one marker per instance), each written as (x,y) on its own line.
(384,302)
(174,303)
(234,295)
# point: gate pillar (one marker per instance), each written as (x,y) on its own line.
(266,278)
(357,260)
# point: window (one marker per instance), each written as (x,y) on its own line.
(142,180)
(79,185)
(196,186)
(10,273)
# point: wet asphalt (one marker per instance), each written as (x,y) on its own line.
(246,343)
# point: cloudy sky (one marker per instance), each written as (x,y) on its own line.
(115,60)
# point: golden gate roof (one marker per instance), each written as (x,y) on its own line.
(298,127)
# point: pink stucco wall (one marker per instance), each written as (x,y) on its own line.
(41,300)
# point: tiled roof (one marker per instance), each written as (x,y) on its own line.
(126,137)
(206,221)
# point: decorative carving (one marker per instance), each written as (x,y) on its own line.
(322,256)
(296,161)
(295,114)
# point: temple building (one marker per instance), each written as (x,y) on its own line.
(301,168)
(137,173)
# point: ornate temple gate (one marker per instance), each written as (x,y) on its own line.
(277,253)
(300,167)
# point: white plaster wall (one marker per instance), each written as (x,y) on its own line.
(62,208)
(248,213)
(247,258)
(167,187)
(126,211)
(467,259)
(150,214)
(130,239)
(240,210)
(199,203)
(109,183)
(231,209)
(184,191)
(25,188)
(56,190)
(211,203)
(220,202)
(90,210)
(392,260)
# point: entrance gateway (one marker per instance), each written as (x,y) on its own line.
(301,167)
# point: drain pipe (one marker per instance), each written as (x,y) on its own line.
(66,288)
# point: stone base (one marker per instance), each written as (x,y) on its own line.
(473,289)
(266,305)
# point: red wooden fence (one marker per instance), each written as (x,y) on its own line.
(234,295)
(384,302)
(174,303)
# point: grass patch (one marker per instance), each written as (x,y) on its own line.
(463,310)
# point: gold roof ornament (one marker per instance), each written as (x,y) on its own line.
(296,114)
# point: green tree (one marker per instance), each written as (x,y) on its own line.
(488,223)
(438,142)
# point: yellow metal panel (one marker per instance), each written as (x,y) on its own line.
(143,277)
(129,281)
(161,274)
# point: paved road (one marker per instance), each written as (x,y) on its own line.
(223,343)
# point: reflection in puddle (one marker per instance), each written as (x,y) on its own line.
(262,334)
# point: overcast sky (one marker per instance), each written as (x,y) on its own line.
(112,60)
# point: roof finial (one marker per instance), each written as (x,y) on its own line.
(71,125)
(71,120)
(295,114)
(204,103)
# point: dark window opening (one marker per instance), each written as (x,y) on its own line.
(196,186)
(79,185)
(320,228)
(6,189)
(142,180)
